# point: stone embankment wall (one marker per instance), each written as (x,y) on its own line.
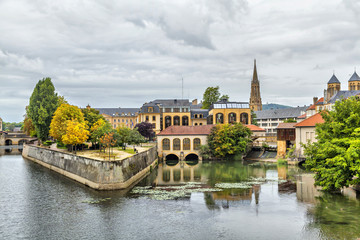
(2,139)
(97,174)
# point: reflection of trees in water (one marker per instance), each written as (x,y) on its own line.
(336,216)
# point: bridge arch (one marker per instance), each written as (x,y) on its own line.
(172,159)
(22,141)
(8,142)
(191,157)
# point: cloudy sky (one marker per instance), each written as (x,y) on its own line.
(113,53)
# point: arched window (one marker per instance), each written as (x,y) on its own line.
(166,144)
(195,124)
(197,143)
(200,116)
(244,118)
(167,121)
(176,144)
(186,144)
(185,121)
(177,120)
(219,118)
(232,117)
(195,116)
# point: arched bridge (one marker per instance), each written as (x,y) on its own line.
(8,139)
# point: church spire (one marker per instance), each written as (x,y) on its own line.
(255,76)
(255,98)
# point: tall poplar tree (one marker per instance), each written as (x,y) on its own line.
(42,105)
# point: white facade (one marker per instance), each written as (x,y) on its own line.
(303,136)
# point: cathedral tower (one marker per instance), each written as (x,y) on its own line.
(255,98)
(354,82)
(333,86)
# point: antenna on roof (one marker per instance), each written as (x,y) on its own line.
(182,88)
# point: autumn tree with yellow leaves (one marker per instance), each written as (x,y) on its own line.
(68,125)
(76,133)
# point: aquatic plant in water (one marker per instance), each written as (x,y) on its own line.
(93,201)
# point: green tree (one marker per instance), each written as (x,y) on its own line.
(98,130)
(253,118)
(128,136)
(42,105)
(211,95)
(91,116)
(290,120)
(228,140)
(335,157)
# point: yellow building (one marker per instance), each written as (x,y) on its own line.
(120,117)
(229,112)
(182,142)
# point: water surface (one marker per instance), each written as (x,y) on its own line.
(231,200)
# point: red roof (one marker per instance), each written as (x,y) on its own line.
(302,116)
(255,128)
(311,121)
(187,130)
(312,107)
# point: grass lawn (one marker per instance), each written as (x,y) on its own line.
(128,150)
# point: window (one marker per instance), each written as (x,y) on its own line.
(114,120)
(200,116)
(147,118)
(195,124)
(166,144)
(150,109)
(186,144)
(153,125)
(185,121)
(232,117)
(153,118)
(197,143)
(167,109)
(177,120)
(195,116)
(244,118)
(219,118)
(167,121)
(123,120)
(176,144)
(176,109)
(274,124)
(200,123)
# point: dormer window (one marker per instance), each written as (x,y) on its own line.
(150,109)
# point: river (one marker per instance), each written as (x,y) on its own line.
(230,200)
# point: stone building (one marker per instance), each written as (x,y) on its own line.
(305,132)
(333,86)
(285,138)
(255,98)
(1,124)
(182,142)
(229,112)
(120,117)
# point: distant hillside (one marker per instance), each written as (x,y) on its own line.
(274,106)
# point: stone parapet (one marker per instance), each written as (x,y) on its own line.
(97,174)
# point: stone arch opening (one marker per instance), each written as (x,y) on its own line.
(232,117)
(21,142)
(8,142)
(244,118)
(219,118)
(177,120)
(167,121)
(192,157)
(185,121)
(171,160)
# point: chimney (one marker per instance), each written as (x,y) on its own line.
(315,99)
(194,102)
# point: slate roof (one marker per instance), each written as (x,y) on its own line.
(118,111)
(311,121)
(333,79)
(343,94)
(186,130)
(204,112)
(286,126)
(172,102)
(144,108)
(280,113)
(354,77)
